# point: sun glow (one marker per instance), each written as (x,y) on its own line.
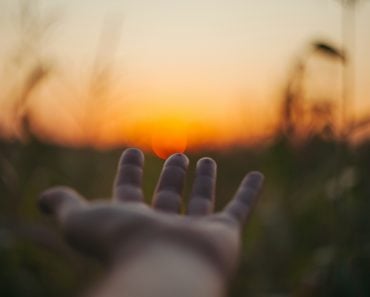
(170,84)
(168,137)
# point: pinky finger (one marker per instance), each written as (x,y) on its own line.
(239,208)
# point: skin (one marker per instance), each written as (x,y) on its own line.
(126,227)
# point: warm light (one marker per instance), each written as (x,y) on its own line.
(168,137)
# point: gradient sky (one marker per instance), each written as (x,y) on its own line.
(215,67)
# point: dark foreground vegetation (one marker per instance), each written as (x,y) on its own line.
(309,235)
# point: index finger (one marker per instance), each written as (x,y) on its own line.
(239,208)
(128,183)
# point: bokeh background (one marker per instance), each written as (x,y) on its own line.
(277,86)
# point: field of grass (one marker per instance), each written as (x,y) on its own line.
(308,236)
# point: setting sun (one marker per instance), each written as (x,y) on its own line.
(162,82)
(168,137)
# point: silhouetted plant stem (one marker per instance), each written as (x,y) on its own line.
(348,39)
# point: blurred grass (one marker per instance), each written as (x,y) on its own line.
(308,235)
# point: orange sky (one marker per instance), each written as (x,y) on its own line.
(209,72)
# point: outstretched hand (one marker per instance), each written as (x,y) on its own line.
(127,226)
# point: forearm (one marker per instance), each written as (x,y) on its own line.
(163,270)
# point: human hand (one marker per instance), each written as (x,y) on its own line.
(127,226)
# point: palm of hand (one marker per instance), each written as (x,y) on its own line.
(127,225)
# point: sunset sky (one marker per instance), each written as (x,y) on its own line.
(212,71)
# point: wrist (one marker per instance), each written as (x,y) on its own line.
(163,269)
(213,251)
